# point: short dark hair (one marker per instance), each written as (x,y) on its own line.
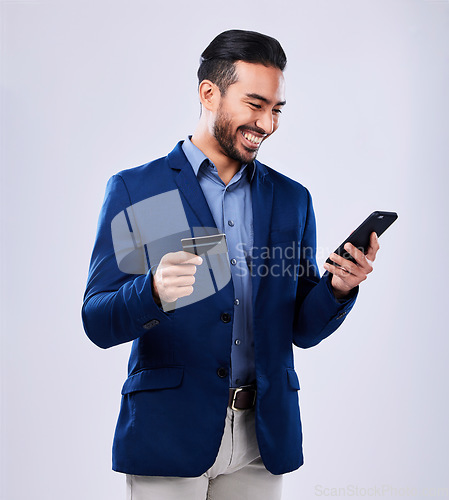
(217,60)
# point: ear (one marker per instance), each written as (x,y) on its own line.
(209,94)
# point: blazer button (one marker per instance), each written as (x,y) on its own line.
(225,317)
(150,324)
(222,372)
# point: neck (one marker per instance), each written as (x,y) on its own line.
(206,142)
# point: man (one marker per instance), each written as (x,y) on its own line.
(210,406)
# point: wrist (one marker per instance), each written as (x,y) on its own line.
(155,292)
(340,294)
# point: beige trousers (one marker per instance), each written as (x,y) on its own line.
(237,474)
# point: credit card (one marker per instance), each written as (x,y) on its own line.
(214,244)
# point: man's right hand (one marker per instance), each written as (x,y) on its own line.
(174,277)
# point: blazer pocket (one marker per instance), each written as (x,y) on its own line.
(293,379)
(153,379)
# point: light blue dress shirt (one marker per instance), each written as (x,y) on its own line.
(232,211)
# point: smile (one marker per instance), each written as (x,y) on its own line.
(253,139)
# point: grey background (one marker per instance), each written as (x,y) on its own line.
(92,87)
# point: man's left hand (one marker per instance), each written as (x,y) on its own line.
(351,274)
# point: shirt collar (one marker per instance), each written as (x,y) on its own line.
(196,158)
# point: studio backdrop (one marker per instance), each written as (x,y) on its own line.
(90,88)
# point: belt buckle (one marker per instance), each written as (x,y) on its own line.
(234,397)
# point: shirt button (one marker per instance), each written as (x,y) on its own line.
(230,223)
(225,317)
(236,302)
(233,262)
(222,372)
(238,342)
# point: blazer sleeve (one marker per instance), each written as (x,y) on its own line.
(317,312)
(117,307)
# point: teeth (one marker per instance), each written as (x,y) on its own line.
(252,138)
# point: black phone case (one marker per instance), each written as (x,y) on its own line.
(377,222)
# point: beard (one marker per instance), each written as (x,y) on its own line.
(227,140)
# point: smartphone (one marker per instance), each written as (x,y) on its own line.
(213,244)
(377,222)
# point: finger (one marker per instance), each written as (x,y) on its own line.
(182,257)
(184,291)
(343,263)
(348,278)
(360,258)
(355,253)
(171,288)
(179,269)
(172,294)
(178,281)
(373,247)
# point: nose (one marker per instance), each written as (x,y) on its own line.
(266,122)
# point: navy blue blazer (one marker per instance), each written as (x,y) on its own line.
(174,401)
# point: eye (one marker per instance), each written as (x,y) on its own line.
(277,111)
(254,105)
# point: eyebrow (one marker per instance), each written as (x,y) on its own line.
(264,99)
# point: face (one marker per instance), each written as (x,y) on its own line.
(249,111)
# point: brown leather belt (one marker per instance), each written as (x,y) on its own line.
(242,398)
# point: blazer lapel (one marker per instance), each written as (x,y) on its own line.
(262,203)
(191,192)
